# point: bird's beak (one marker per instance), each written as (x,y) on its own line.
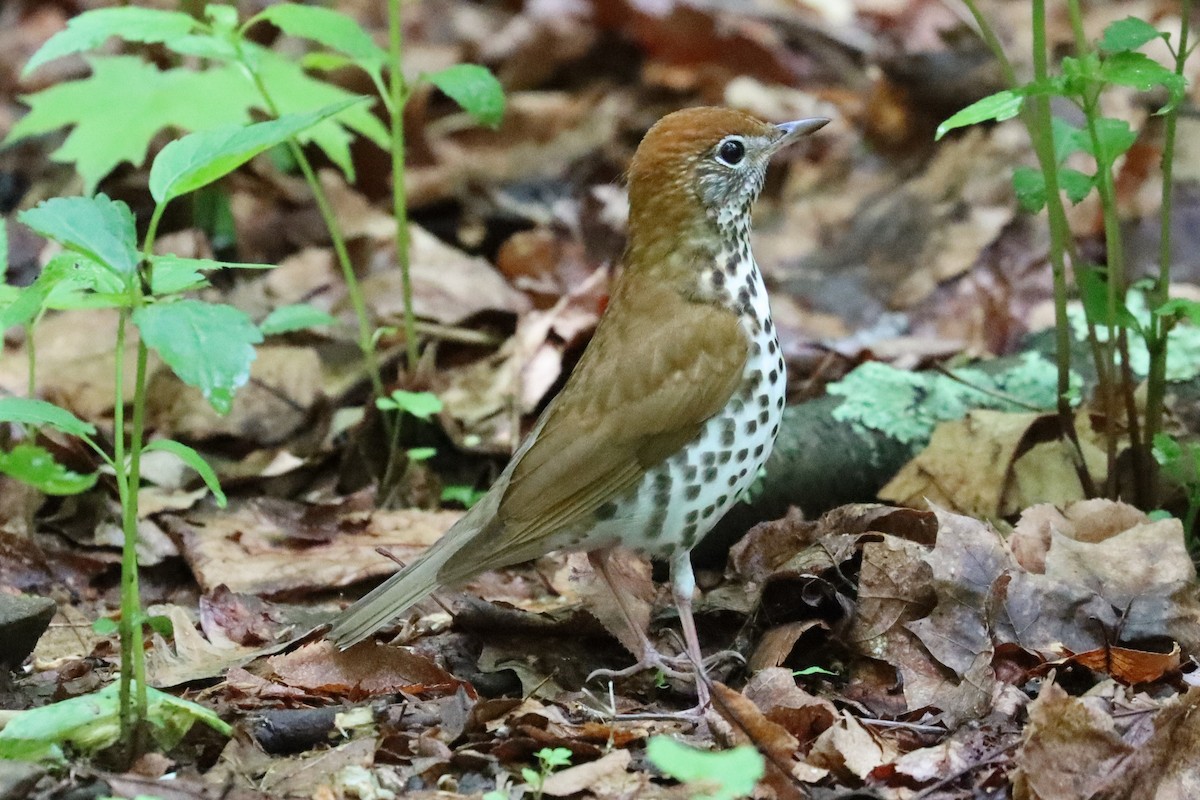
(791,131)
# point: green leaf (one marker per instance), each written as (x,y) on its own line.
(105,626)
(92,722)
(1030,187)
(1068,139)
(208,345)
(1180,308)
(175,274)
(1128,34)
(1115,137)
(1076,184)
(194,460)
(554,757)
(35,466)
(420,453)
(158,623)
(201,158)
(1093,294)
(422,405)
(327,28)
(462,494)
(99,228)
(3,250)
(29,411)
(999,107)
(295,318)
(474,88)
(1143,73)
(102,139)
(92,28)
(33,299)
(725,774)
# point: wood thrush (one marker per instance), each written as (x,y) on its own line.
(673,407)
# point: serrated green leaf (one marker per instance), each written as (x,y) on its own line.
(999,107)
(474,88)
(1075,184)
(726,774)
(327,28)
(1030,187)
(99,228)
(29,411)
(35,466)
(208,345)
(102,139)
(175,274)
(194,460)
(201,158)
(1127,34)
(92,28)
(1143,73)
(295,318)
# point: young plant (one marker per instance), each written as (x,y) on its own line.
(208,345)
(237,76)
(1180,461)
(1082,80)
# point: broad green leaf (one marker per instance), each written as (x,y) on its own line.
(204,45)
(420,453)
(1030,187)
(474,88)
(223,18)
(462,494)
(182,99)
(327,28)
(194,460)
(1182,308)
(209,346)
(99,228)
(1128,34)
(1093,294)
(1068,139)
(295,318)
(198,159)
(102,139)
(35,466)
(92,28)
(175,274)
(29,411)
(105,626)
(422,405)
(159,623)
(1143,73)
(1167,451)
(91,723)
(1075,184)
(33,299)
(725,774)
(999,107)
(1115,137)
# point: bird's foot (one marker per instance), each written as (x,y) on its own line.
(676,667)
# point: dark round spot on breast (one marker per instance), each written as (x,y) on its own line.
(772,347)
(691,516)
(606,511)
(742,455)
(718,278)
(763,416)
(710,475)
(758,451)
(709,511)
(773,376)
(774,430)
(692,492)
(751,426)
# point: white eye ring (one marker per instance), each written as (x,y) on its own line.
(731,151)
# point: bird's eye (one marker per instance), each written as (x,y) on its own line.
(731,152)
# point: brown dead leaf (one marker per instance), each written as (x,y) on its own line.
(1127,665)
(1086,521)
(364,670)
(1071,749)
(801,714)
(630,573)
(771,739)
(250,549)
(1167,766)
(850,751)
(607,776)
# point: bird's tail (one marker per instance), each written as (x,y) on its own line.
(397,594)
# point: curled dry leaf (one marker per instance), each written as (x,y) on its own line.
(364,670)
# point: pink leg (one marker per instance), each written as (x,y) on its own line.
(683,586)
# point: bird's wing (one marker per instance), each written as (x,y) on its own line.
(652,375)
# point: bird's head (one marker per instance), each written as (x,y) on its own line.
(698,170)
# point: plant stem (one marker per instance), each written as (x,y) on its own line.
(399,192)
(1038,120)
(1160,328)
(366,341)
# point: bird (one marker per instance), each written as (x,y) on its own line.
(673,407)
